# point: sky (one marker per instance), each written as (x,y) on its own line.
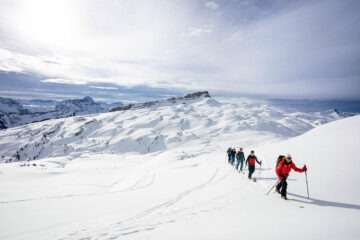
(137,49)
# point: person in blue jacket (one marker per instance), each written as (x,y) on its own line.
(233,153)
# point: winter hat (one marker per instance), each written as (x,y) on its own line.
(252,151)
(288,155)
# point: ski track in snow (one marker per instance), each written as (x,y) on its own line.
(132,226)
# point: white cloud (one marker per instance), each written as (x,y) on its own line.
(198,31)
(212,5)
(105,88)
(63,81)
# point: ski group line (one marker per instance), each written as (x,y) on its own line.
(283,167)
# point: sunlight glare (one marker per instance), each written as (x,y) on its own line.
(47,22)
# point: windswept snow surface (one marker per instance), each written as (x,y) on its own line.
(162,173)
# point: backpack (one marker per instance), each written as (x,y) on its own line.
(229,151)
(280,158)
(252,161)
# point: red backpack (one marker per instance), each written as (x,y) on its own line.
(252,161)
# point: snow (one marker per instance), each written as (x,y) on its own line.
(329,151)
(161,173)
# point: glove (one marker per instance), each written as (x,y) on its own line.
(305,169)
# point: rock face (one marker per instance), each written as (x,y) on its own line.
(196,95)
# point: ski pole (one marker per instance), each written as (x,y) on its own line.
(307,184)
(273,187)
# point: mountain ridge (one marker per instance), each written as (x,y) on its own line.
(13,113)
(163,125)
(189,96)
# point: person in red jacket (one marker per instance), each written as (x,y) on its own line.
(251,159)
(282,170)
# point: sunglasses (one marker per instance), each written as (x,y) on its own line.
(289,158)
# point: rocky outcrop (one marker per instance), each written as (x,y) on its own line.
(196,95)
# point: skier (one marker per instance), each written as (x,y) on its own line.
(233,153)
(282,170)
(240,159)
(251,160)
(229,153)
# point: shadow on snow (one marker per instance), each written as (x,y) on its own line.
(325,203)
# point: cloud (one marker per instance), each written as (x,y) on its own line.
(63,81)
(301,47)
(198,31)
(211,4)
(106,88)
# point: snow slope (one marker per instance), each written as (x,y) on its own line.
(161,173)
(330,153)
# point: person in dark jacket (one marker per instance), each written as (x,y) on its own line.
(240,159)
(229,153)
(282,170)
(251,159)
(233,153)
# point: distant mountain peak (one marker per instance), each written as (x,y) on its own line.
(88,99)
(339,113)
(86,104)
(9,105)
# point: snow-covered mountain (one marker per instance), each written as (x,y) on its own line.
(79,106)
(162,102)
(39,105)
(154,126)
(16,113)
(8,105)
(161,172)
(12,113)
